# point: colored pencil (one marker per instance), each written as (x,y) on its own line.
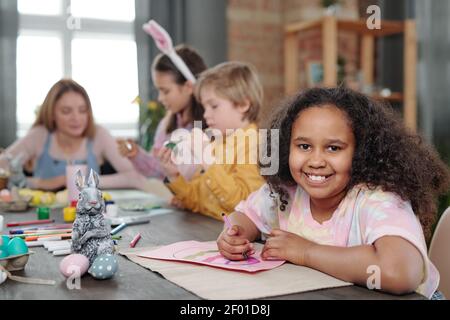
(28,223)
(229,226)
(227,221)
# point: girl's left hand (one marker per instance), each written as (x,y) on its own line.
(283,245)
(169,168)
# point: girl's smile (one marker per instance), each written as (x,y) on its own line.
(317,179)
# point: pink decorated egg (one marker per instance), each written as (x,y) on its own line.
(5,195)
(74,264)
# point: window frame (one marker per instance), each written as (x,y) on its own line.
(58,24)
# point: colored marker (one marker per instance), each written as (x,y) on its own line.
(27,223)
(31,244)
(49,236)
(229,226)
(39,234)
(118,228)
(47,231)
(49,227)
(55,238)
(57,245)
(135,240)
(227,221)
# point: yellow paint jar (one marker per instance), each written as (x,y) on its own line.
(70,214)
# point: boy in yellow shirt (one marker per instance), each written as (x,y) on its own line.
(232,96)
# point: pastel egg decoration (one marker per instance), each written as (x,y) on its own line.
(104,267)
(4,242)
(5,195)
(74,263)
(17,246)
(4,253)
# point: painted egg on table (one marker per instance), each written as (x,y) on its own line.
(17,246)
(74,263)
(3,253)
(4,242)
(5,195)
(104,267)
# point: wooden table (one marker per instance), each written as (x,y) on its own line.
(135,282)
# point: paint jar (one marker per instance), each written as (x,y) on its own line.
(69,214)
(43,213)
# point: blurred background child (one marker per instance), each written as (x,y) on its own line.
(232,97)
(176,93)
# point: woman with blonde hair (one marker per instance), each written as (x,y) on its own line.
(65,132)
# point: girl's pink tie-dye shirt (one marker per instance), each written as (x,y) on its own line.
(362,217)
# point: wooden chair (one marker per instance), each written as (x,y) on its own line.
(439,252)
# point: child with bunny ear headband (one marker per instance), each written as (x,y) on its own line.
(174,73)
(164,43)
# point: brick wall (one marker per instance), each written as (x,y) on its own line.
(255,35)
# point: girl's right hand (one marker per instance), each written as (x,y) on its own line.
(232,245)
(127,148)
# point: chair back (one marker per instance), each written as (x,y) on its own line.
(439,252)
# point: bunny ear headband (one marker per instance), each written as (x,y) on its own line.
(164,44)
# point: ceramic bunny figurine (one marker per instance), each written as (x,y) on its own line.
(90,235)
(17,177)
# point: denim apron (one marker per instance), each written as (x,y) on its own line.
(48,167)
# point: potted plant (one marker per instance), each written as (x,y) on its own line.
(150,114)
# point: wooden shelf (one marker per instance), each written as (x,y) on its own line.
(330,27)
(393,97)
(358,26)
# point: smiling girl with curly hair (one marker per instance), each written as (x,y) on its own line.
(351,185)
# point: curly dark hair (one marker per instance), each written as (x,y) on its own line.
(387,155)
